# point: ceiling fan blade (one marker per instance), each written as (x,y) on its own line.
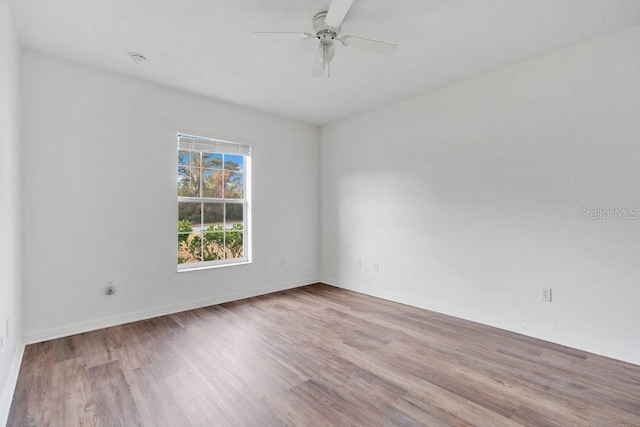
(370,45)
(283,33)
(337,11)
(318,65)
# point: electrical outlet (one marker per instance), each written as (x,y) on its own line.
(283,262)
(545,294)
(376,266)
(110,289)
(358,262)
(6,329)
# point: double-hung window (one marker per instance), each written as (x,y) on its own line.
(213,204)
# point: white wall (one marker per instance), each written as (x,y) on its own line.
(100,199)
(10,275)
(469,198)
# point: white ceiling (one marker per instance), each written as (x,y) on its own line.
(206,46)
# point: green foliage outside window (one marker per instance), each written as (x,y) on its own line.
(214,243)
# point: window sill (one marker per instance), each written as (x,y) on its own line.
(208,267)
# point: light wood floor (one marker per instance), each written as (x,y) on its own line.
(318,356)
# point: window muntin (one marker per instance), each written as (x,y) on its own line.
(212,202)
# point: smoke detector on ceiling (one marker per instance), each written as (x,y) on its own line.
(138,58)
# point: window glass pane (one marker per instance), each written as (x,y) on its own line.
(234,230)
(233,162)
(212,161)
(212,181)
(185,251)
(234,185)
(234,244)
(188,181)
(213,215)
(235,216)
(213,245)
(184,158)
(189,248)
(188,158)
(189,214)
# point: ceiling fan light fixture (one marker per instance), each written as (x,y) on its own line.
(326,51)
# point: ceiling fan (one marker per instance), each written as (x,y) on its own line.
(326,28)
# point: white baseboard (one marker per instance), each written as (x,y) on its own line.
(527,330)
(92,325)
(10,385)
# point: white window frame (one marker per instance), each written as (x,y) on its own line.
(201,144)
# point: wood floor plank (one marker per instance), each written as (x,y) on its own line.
(153,398)
(112,400)
(70,399)
(318,355)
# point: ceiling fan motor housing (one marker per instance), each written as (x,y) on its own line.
(324,32)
